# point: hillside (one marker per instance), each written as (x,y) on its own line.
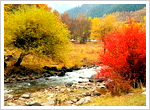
(98,10)
(135,15)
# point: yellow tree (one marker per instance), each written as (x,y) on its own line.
(11,8)
(102,26)
(95,28)
(33,29)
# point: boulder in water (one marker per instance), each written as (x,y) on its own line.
(62,73)
(94,79)
(67,69)
(69,84)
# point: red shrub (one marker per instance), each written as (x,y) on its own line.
(125,56)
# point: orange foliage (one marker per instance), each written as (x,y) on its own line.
(125,57)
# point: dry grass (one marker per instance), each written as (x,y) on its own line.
(84,54)
(80,54)
(134,99)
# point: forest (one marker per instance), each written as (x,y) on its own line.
(96,58)
(98,10)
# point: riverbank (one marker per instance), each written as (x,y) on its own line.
(74,76)
(35,66)
(35,84)
(79,94)
(73,89)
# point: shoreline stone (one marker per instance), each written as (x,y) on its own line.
(26,95)
(22,73)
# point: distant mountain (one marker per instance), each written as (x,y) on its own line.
(135,15)
(98,10)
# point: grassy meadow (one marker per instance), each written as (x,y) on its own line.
(80,54)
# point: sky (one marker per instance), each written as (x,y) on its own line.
(63,7)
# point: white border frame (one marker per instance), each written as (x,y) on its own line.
(75,107)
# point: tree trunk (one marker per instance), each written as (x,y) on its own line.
(104,46)
(20,59)
(104,50)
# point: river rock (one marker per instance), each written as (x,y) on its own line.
(34,104)
(74,100)
(69,102)
(94,79)
(6,91)
(50,68)
(62,73)
(95,94)
(79,86)
(51,96)
(26,95)
(69,84)
(7,97)
(84,100)
(50,102)
(11,104)
(67,69)
(48,73)
(86,94)
(75,68)
(62,90)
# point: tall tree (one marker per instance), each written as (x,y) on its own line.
(36,29)
(83,29)
(102,26)
(79,27)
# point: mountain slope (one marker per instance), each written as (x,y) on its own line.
(98,10)
(135,15)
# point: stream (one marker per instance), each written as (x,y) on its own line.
(33,85)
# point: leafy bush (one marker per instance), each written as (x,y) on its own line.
(125,57)
(36,29)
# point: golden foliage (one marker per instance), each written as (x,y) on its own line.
(36,29)
(102,26)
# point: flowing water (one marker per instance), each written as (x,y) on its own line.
(37,84)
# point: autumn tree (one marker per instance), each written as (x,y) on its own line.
(125,59)
(44,6)
(95,28)
(66,19)
(33,29)
(83,28)
(79,27)
(11,8)
(102,26)
(56,13)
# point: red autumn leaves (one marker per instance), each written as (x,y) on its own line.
(125,56)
